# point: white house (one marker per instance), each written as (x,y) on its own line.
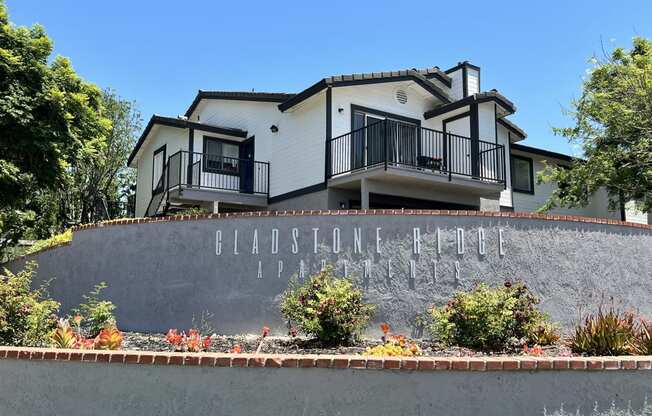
(416,138)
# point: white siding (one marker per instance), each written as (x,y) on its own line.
(175,139)
(473,81)
(457,91)
(503,139)
(598,207)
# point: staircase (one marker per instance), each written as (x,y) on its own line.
(159,204)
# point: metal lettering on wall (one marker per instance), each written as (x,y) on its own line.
(366,245)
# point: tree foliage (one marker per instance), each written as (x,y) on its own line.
(63,141)
(613,125)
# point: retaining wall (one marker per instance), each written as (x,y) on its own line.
(161,271)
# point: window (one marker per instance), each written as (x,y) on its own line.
(158,169)
(221,156)
(522,174)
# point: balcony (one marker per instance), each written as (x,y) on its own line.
(428,156)
(189,178)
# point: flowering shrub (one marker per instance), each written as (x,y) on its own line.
(55,240)
(27,317)
(193,342)
(327,307)
(394,346)
(492,319)
(606,333)
(645,337)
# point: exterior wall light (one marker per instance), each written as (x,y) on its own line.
(340,110)
(273,128)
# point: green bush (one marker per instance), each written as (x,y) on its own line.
(326,307)
(606,333)
(95,313)
(492,319)
(53,241)
(27,317)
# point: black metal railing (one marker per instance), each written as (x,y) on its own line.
(397,144)
(207,171)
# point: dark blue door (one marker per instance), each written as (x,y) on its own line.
(247,149)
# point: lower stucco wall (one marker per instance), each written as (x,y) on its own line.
(161,273)
(59,387)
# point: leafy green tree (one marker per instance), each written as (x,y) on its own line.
(50,119)
(613,125)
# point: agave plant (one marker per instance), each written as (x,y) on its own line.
(109,338)
(64,336)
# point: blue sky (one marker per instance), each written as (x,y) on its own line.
(160,53)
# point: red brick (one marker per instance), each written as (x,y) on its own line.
(274,362)
(12,354)
(560,364)
(307,362)
(426,364)
(290,362)
(175,359)
(191,359)
(392,363)
(442,364)
(24,354)
(161,359)
(611,364)
(494,364)
(36,355)
(510,364)
(323,362)
(146,358)
(89,356)
(256,362)
(239,361)
(223,361)
(577,364)
(595,364)
(528,364)
(628,364)
(409,364)
(459,364)
(340,362)
(103,357)
(131,358)
(357,363)
(476,364)
(644,364)
(544,364)
(374,363)
(75,356)
(207,361)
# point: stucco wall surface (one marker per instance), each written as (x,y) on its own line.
(73,388)
(161,273)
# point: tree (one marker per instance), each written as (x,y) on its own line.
(613,125)
(50,120)
(103,178)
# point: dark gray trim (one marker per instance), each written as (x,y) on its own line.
(355,107)
(299,192)
(461,65)
(329,129)
(157,151)
(511,167)
(465,82)
(206,168)
(269,97)
(474,121)
(362,79)
(542,152)
(191,150)
(482,97)
(183,124)
(509,125)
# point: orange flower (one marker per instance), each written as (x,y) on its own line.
(414,348)
(173,337)
(237,349)
(77,319)
(385,328)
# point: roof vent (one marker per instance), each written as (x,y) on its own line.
(401,96)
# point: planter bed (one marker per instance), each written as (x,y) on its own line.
(138,341)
